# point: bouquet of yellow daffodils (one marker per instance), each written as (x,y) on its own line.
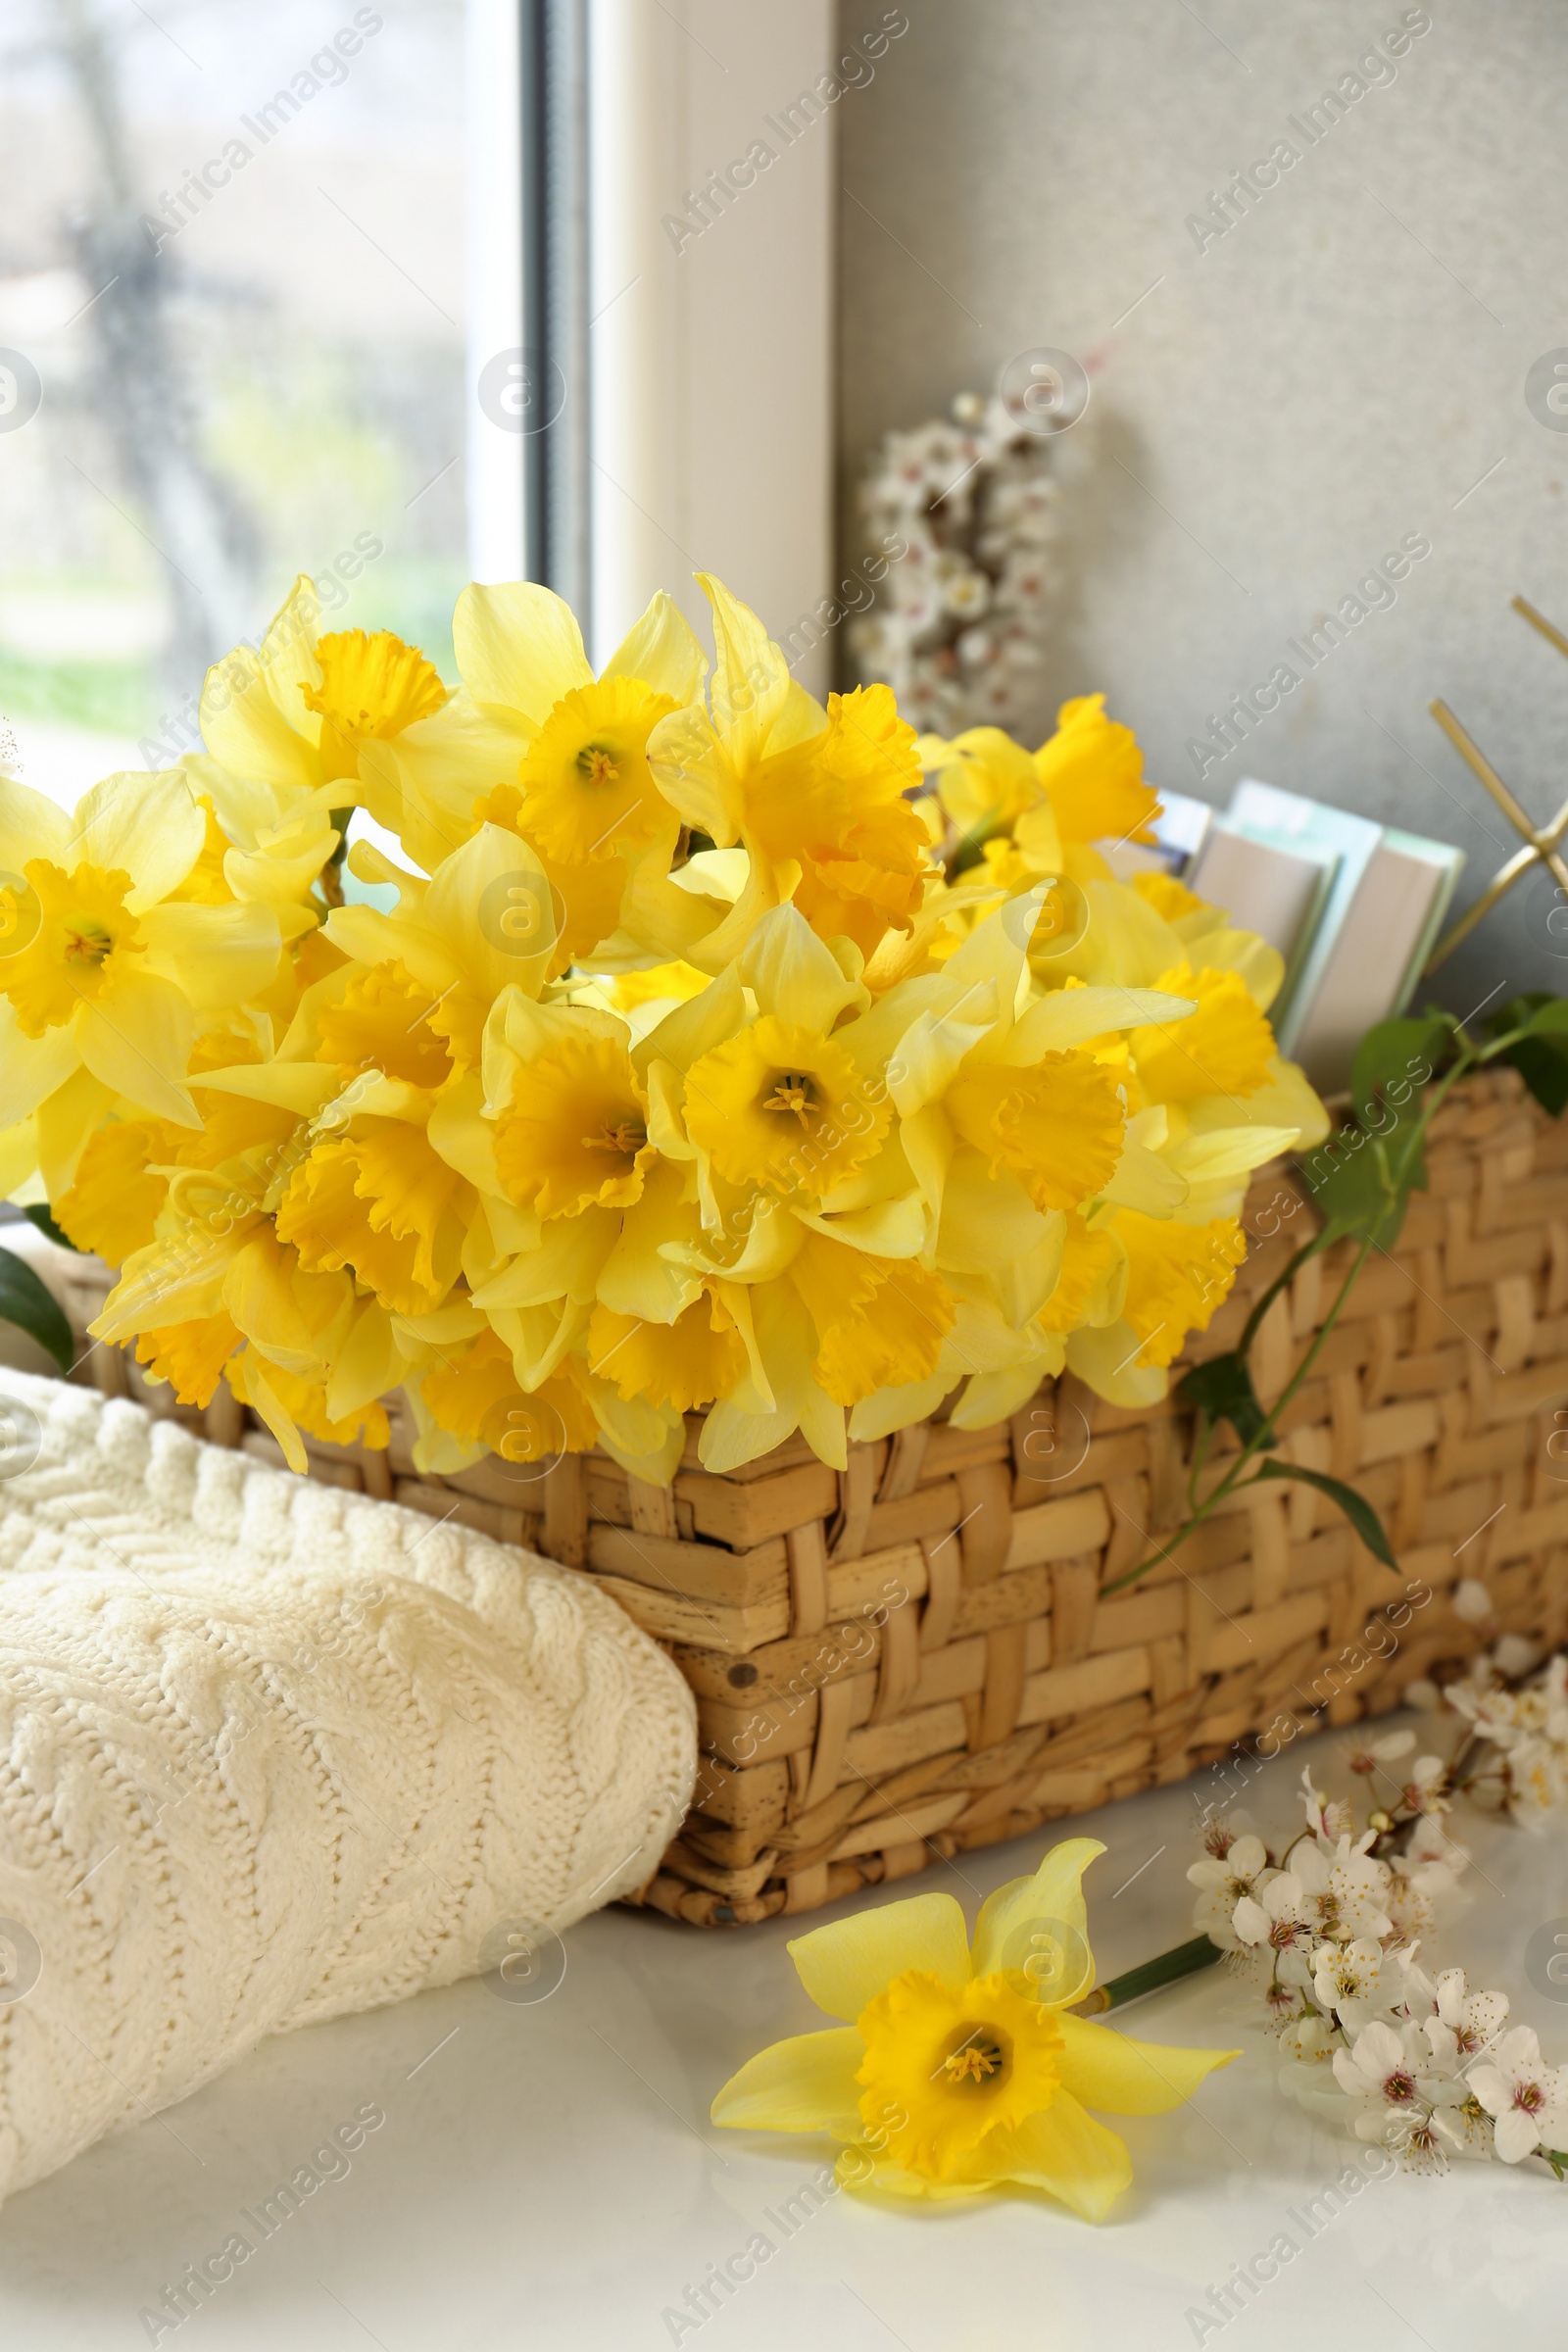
(690,1053)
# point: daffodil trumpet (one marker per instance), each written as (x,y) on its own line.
(959,2068)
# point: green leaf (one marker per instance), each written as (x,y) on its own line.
(1516,1012)
(25,1301)
(37,1213)
(1222,1387)
(1541,1056)
(1542,1064)
(1354,1188)
(1393,1063)
(1357,1508)
(1363,1177)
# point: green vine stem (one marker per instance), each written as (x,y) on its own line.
(1395,1170)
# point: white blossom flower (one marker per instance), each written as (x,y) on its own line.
(1379,2064)
(1422,1790)
(1429,2069)
(1308,2040)
(1357,1981)
(1472,1601)
(1327,1817)
(1526,2100)
(975,505)
(1432,1860)
(1285,1918)
(967,593)
(1357,1889)
(1236,1872)
(1463,2024)
(1386,1750)
(1466,2131)
(1409,1906)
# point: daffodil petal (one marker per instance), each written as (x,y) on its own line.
(1068,2154)
(1111,2070)
(31,826)
(849,1962)
(136,1037)
(147,827)
(752,680)
(31,1067)
(519,648)
(218,955)
(1107,1360)
(661,651)
(423,784)
(993,1396)
(732,1438)
(792,973)
(1052,1898)
(1072,1016)
(512,940)
(259,1293)
(803,2084)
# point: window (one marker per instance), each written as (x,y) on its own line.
(233,332)
(397,297)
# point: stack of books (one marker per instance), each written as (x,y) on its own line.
(1355,907)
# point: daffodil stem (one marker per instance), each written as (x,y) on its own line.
(1167,1968)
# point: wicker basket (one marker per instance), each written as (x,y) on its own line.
(913,1656)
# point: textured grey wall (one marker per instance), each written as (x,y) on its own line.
(1341,368)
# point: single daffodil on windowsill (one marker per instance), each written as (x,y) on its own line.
(964,2069)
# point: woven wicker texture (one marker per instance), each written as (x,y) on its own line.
(913,1656)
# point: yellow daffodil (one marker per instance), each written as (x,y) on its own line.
(189,1357)
(686,1363)
(1093,773)
(475,1395)
(369,689)
(985,779)
(887,1258)
(1057,1127)
(119,1180)
(218,1261)
(880,1322)
(780,1106)
(382,1201)
(536,744)
(1089,779)
(383,1022)
(483,925)
(576,1135)
(1224,1048)
(284,727)
(961,2069)
(666,1073)
(815,798)
(101,966)
(586,787)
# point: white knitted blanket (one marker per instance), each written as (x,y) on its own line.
(269,1751)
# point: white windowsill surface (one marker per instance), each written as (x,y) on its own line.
(545,2174)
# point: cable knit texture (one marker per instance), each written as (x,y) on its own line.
(271,1752)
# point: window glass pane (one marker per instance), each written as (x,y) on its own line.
(232,308)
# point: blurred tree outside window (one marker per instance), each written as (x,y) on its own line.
(231,348)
